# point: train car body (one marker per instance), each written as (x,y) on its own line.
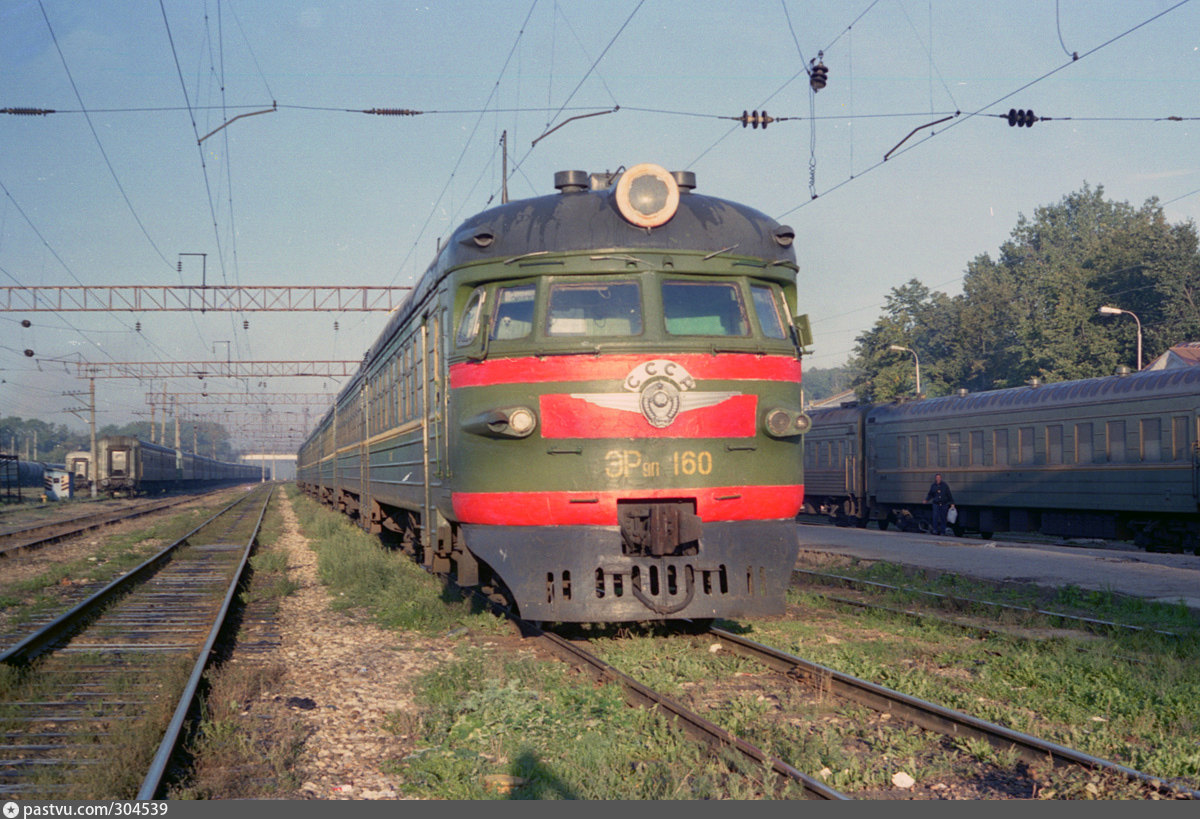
(592,402)
(127,465)
(33,473)
(79,464)
(1102,457)
(835,465)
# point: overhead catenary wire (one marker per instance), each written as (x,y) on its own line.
(980,111)
(96,136)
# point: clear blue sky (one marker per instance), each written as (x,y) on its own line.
(315,194)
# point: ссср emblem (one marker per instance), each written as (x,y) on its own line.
(660,390)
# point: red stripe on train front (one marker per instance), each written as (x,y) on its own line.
(723,367)
(600,508)
(564,416)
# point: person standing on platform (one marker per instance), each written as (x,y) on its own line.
(941,498)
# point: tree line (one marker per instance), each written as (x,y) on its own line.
(35,440)
(1033,312)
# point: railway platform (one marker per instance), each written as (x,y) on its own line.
(1103,566)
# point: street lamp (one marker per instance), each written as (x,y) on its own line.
(1116,311)
(898,349)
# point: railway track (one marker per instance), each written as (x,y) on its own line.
(899,710)
(19,540)
(932,717)
(1091,623)
(695,725)
(111,680)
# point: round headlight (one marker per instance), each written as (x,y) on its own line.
(521,421)
(647,195)
(778,422)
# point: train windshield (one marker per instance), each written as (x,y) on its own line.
(595,309)
(704,309)
(514,312)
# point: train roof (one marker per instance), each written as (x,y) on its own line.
(846,413)
(1142,385)
(589,218)
(129,440)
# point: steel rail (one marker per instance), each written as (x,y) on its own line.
(69,622)
(166,748)
(930,716)
(693,724)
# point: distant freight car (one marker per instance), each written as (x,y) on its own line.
(127,465)
(1111,457)
(590,406)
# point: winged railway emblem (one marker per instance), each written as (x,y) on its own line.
(660,390)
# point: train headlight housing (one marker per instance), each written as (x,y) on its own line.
(647,195)
(504,422)
(522,421)
(785,423)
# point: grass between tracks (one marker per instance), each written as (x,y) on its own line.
(1128,697)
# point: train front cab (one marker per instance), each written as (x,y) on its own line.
(628,444)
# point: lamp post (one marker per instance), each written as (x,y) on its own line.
(899,349)
(1116,311)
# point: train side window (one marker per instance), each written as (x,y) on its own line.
(901,451)
(977,448)
(914,451)
(1083,443)
(468,325)
(767,309)
(932,455)
(1025,439)
(595,309)
(1000,447)
(1054,444)
(411,379)
(704,309)
(1179,438)
(1151,439)
(954,449)
(1116,442)
(514,312)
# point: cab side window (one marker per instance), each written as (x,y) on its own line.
(767,309)
(468,324)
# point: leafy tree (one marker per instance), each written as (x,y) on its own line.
(916,318)
(1033,311)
